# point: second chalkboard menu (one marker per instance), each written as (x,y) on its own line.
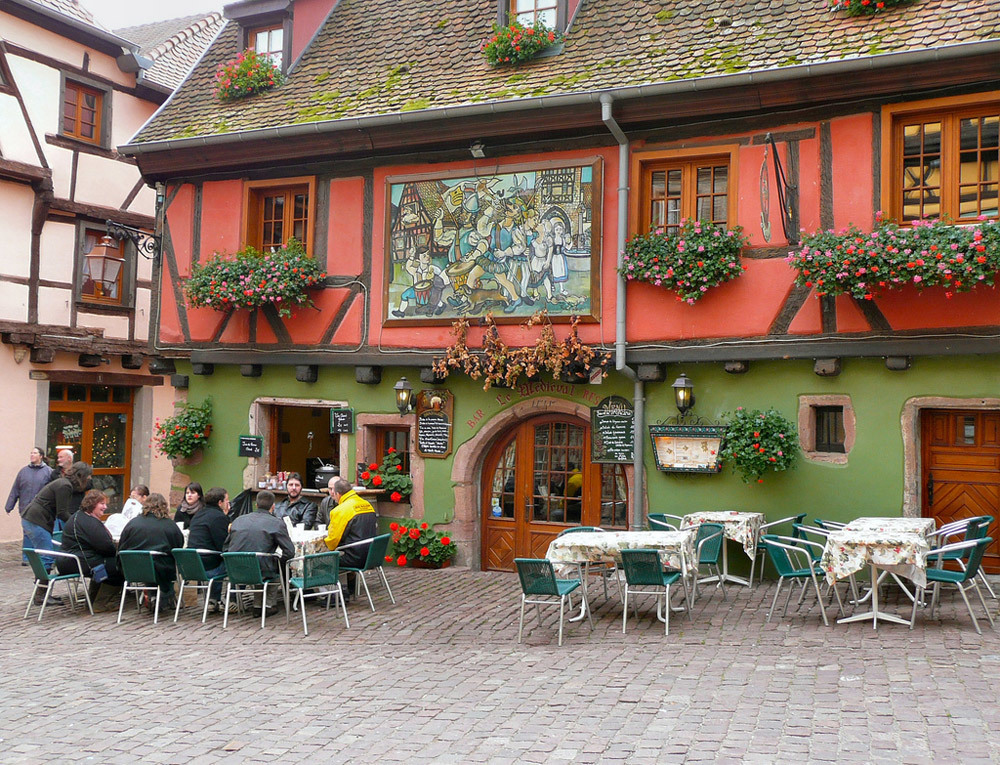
(612,424)
(435,415)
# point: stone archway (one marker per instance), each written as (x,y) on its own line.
(466,473)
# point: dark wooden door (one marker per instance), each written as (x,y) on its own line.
(961,470)
(539,480)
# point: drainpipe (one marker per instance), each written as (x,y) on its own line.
(639,393)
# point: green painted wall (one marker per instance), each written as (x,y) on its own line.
(870,484)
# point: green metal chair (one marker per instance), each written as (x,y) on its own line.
(814,534)
(644,569)
(377,547)
(963,580)
(319,570)
(538,580)
(191,568)
(140,577)
(967,529)
(664,521)
(243,573)
(605,569)
(711,537)
(766,529)
(44,579)
(793,560)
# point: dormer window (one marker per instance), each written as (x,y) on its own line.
(552,13)
(268,41)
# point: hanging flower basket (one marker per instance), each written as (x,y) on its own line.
(250,279)
(690,262)
(246,75)
(865,7)
(924,254)
(513,43)
(759,442)
(186,432)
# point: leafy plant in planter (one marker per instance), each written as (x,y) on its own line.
(865,7)
(186,431)
(514,43)
(758,442)
(251,279)
(247,74)
(388,477)
(924,254)
(420,545)
(690,261)
(499,364)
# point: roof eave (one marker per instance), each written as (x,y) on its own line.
(762,76)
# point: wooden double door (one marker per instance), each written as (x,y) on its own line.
(538,480)
(961,470)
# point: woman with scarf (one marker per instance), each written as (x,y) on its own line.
(194,500)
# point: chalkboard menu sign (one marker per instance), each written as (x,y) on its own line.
(612,424)
(251,446)
(435,415)
(342,420)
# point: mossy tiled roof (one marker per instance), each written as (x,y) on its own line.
(377,57)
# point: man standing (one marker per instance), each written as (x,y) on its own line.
(260,531)
(295,506)
(63,460)
(29,481)
(352,520)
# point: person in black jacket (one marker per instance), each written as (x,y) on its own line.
(260,531)
(295,506)
(87,538)
(54,501)
(194,500)
(153,530)
(208,531)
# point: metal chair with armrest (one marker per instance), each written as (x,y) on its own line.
(243,573)
(766,529)
(538,580)
(377,547)
(793,559)
(964,580)
(191,568)
(605,569)
(644,569)
(44,579)
(318,570)
(140,577)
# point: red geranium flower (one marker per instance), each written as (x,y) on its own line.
(393,526)
(423,525)
(373,466)
(377,480)
(395,497)
(401,560)
(388,559)
(366,475)
(424,552)
(391,450)
(445,540)
(414,533)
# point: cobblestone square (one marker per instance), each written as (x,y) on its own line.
(439,678)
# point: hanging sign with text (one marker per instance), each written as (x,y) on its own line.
(342,420)
(612,425)
(251,446)
(435,415)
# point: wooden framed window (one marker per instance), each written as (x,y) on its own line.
(108,286)
(268,41)
(396,438)
(943,159)
(81,112)
(527,12)
(275,213)
(679,185)
(830,432)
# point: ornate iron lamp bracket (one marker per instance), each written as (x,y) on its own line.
(146,244)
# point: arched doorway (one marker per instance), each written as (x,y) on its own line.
(538,480)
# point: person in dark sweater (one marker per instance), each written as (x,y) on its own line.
(87,538)
(194,500)
(54,501)
(295,506)
(153,530)
(208,531)
(29,481)
(260,531)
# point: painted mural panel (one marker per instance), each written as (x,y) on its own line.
(511,243)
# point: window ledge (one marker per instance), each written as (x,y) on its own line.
(105,308)
(552,50)
(829,458)
(75,144)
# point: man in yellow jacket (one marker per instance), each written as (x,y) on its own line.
(352,520)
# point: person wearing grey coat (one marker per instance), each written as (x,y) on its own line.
(260,531)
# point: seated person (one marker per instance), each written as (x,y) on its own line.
(133,505)
(328,503)
(260,531)
(87,538)
(153,530)
(54,504)
(352,520)
(208,531)
(297,508)
(194,500)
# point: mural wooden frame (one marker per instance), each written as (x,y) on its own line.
(402,236)
(670,438)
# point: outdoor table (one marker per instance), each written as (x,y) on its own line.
(306,543)
(898,546)
(581,548)
(742,527)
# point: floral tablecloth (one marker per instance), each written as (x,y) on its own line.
(899,545)
(306,543)
(677,548)
(739,526)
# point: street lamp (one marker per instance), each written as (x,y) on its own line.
(105,268)
(683,394)
(404,396)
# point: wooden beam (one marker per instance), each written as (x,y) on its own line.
(101,378)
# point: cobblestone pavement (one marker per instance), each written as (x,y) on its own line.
(439,677)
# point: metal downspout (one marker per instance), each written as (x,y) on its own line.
(639,392)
